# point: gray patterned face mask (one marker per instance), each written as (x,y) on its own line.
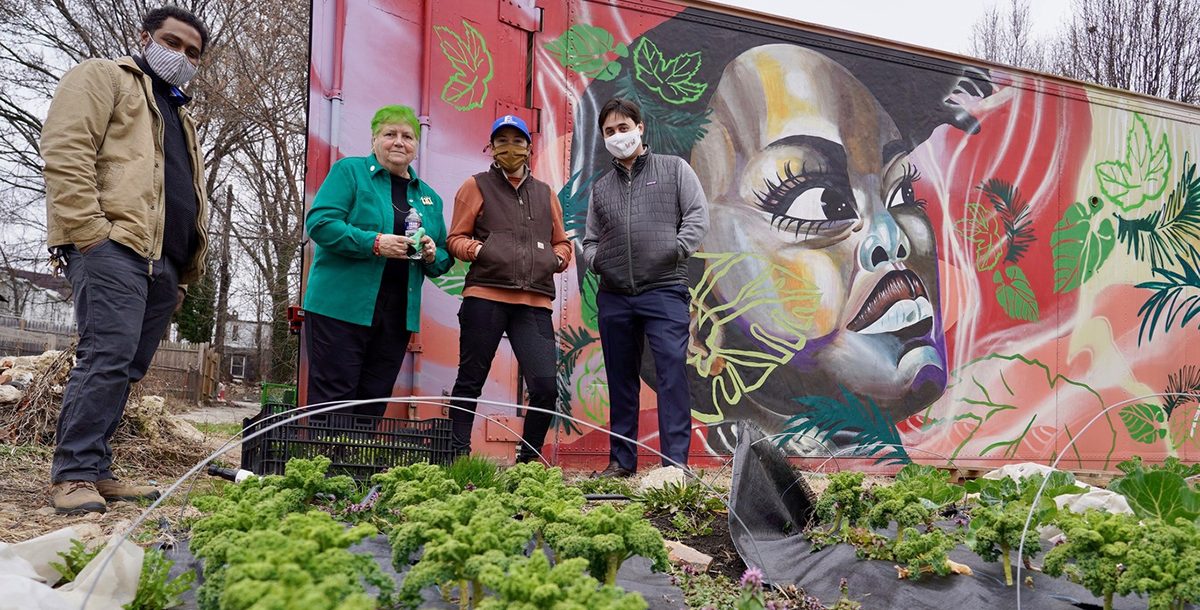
(171,66)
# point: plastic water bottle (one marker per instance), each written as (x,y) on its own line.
(412,224)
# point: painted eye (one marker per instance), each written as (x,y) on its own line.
(904,193)
(819,203)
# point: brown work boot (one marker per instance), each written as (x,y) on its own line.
(76,497)
(114,490)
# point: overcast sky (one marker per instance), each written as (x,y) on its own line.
(937,24)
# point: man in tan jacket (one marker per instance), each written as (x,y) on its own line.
(126,212)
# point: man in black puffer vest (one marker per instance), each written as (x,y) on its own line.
(646,216)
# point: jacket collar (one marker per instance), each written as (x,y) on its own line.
(638,164)
(174,94)
(495,169)
(375,167)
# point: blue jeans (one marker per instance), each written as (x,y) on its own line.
(627,322)
(123,307)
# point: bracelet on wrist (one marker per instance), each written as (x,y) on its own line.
(375,249)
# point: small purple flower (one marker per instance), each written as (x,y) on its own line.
(753,577)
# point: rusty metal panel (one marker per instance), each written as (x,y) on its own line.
(522,14)
(497,433)
(531,116)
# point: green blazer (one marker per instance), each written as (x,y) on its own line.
(353,205)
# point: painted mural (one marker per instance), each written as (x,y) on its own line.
(910,258)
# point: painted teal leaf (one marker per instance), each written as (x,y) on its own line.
(670,79)
(1081,242)
(1170,231)
(1176,298)
(1144,422)
(573,341)
(584,48)
(1015,294)
(874,431)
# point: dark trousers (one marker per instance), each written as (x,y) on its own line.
(123,306)
(660,317)
(531,333)
(355,362)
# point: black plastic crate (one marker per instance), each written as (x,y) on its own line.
(358,445)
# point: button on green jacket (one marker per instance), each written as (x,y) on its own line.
(353,205)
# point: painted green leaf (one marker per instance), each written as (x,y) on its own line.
(1115,182)
(472,62)
(1158,494)
(584,48)
(1015,294)
(1081,242)
(588,290)
(981,228)
(1145,422)
(676,130)
(670,79)
(1142,176)
(452,281)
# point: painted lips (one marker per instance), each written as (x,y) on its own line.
(898,302)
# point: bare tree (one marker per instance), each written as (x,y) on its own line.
(270,163)
(250,101)
(1006,37)
(39,41)
(1147,46)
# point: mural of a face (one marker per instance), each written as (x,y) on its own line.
(808,180)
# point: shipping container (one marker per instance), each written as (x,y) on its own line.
(912,255)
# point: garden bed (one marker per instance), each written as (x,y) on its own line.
(472,535)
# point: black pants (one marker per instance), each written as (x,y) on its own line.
(481,325)
(123,306)
(355,362)
(658,317)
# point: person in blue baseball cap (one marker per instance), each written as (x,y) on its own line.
(509,226)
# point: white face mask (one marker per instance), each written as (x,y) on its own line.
(623,145)
(171,66)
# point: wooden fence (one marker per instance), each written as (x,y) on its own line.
(184,370)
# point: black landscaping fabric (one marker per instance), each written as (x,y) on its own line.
(634,575)
(774,507)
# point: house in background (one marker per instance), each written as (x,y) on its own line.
(247,344)
(30,296)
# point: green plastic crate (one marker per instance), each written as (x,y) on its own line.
(278,394)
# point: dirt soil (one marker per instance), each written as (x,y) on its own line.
(25,510)
(717,544)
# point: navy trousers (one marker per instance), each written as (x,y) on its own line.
(123,306)
(658,317)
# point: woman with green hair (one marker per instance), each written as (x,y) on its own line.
(363,298)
